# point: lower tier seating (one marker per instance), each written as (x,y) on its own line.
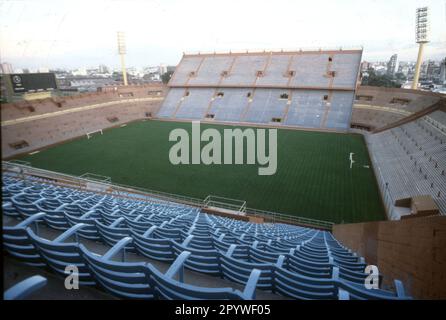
(411,159)
(289,261)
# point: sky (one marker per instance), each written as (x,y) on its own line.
(82,33)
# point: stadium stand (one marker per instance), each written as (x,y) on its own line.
(55,120)
(60,119)
(410,160)
(437,119)
(288,261)
(310,89)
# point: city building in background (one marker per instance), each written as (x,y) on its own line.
(442,78)
(392,65)
(427,75)
(162,69)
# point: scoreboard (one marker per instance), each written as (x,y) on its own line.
(33,82)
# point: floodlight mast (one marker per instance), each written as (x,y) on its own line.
(421,36)
(122,51)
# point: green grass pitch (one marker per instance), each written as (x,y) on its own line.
(313,177)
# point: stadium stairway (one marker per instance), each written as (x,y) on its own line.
(147,250)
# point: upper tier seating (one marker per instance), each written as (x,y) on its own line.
(302,108)
(311,89)
(304,69)
(291,261)
(411,159)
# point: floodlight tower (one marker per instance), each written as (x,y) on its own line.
(421,33)
(121,51)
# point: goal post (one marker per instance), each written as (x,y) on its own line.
(233,205)
(90,134)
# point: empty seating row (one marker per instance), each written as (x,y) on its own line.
(143,281)
(215,245)
(411,160)
(302,108)
(312,89)
(123,279)
(314,69)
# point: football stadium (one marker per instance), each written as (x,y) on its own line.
(291,181)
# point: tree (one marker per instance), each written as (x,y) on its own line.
(376,80)
(166,77)
(400,76)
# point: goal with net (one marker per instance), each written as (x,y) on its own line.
(90,134)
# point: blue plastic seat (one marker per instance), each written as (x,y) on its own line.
(59,254)
(130,280)
(24,288)
(154,248)
(168,288)
(18,244)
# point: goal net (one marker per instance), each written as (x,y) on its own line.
(90,134)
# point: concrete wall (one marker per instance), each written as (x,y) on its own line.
(412,250)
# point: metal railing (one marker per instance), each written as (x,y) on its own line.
(276,217)
(151,195)
(25,163)
(96,177)
(81,182)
